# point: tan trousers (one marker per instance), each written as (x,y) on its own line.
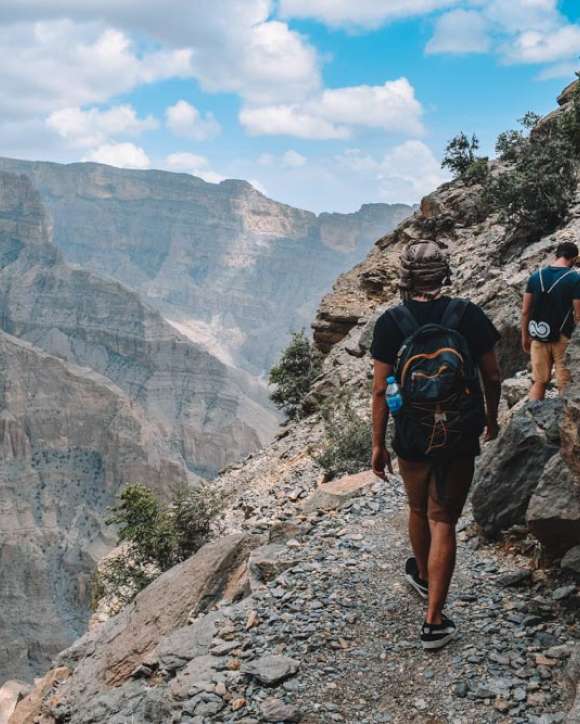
(549,355)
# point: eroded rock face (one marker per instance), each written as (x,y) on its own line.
(554,510)
(509,469)
(68,441)
(571,423)
(222,261)
(211,413)
(482,272)
(155,630)
(147,406)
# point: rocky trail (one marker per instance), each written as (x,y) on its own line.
(347,616)
(330,630)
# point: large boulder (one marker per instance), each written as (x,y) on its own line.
(510,469)
(104,660)
(554,511)
(571,423)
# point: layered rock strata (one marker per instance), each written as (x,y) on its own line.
(227,265)
(211,414)
(68,441)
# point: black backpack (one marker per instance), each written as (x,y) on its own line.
(440,385)
(546,324)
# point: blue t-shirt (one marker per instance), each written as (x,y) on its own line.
(562,295)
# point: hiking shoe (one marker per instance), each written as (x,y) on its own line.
(436,636)
(412,577)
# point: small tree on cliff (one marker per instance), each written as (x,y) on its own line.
(292,377)
(153,537)
(461,157)
(533,192)
(571,122)
(348,439)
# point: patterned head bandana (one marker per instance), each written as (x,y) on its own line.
(424,269)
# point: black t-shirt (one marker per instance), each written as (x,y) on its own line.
(478,330)
(563,294)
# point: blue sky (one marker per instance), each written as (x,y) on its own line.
(322,104)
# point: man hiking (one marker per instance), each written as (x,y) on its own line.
(433,348)
(550,311)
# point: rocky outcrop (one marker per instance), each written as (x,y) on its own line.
(68,441)
(553,514)
(510,469)
(228,266)
(482,271)
(571,422)
(211,414)
(159,629)
(96,391)
(531,474)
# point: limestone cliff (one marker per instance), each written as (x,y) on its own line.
(96,391)
(227,265)
(68,440)
(211,414)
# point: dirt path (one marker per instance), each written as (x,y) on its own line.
(348,616)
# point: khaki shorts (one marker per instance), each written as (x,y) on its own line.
(549,355)
(422,491)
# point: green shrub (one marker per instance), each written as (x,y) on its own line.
(293,375)
(153,537)
(460,154)
(477,172)
(348,440)
(571,122)
(533,194)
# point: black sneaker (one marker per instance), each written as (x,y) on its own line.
(436,636)
(412,577)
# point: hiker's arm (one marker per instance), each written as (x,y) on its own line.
(491,376)
(526,315)
(380,456)
(577,310)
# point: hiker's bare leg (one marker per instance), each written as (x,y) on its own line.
(538,391)
(441,566)
(420,537)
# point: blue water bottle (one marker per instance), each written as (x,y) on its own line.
(393,396)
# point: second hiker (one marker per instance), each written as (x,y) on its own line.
(551,309)
(435,347)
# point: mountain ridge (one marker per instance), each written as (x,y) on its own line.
(228,266)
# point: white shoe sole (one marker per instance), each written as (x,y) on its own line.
(411,581)
(434,645)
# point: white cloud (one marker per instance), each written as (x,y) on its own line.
(289,159)
(193,164)
(231,46)
(334,113)
(123,155)
(520,31)
(404,174)
(363,13)
(94,127)
(392,106)
(460,31)
(49,66)
(289,121)
(518,16)
(538,47)
(293,159)
(185,121)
